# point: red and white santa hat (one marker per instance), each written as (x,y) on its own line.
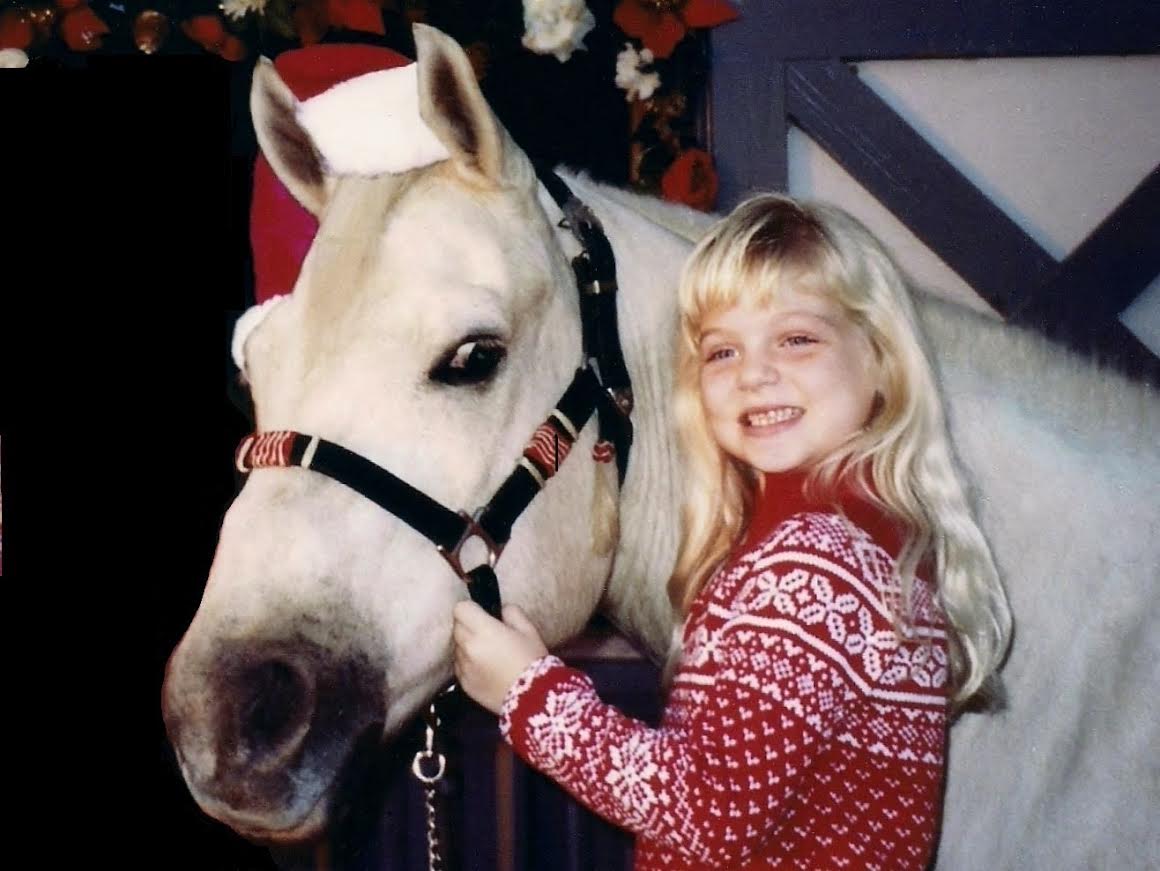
(360,105)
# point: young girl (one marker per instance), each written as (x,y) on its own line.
(835,594)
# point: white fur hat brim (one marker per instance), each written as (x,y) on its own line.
(370,124)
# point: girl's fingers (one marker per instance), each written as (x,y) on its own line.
(459,633)
(469,614)
(518,620)
(465,621)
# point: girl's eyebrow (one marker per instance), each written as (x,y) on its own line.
(712,333)
(832,322)
(811,314)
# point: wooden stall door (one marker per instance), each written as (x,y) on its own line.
(791,64)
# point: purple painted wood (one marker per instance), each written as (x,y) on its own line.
(1081,300)
(1121,256)
(907,175)
(818,29)
(747,125)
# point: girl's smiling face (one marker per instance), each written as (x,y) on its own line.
(786,383)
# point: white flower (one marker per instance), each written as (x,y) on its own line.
(637,85)
(238,9)
(556,27)
(12,58)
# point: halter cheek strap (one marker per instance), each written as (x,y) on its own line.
(595,271)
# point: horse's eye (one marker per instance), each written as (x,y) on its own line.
(471,362)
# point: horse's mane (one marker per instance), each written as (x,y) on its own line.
(681,220)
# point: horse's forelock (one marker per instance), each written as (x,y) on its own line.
(349,231)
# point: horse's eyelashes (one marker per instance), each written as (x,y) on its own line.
(472,361)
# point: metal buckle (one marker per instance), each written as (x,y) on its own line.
(472,530)
(582,221)
(595,287)
(622,399)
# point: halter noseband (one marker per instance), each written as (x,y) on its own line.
(601,385)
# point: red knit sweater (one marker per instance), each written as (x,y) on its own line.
(799,731)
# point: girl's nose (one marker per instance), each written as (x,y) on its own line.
(759,370)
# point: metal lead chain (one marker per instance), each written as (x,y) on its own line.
(427,756)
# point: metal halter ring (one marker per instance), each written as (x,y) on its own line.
(428,752)
(470,531)
(417,766)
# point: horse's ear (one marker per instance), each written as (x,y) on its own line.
(452,105)
(285,144)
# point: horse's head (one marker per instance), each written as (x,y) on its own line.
(432,328)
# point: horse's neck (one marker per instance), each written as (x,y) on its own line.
(1093,406)
(649,258)
(683,221)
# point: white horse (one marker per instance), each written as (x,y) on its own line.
(432,329)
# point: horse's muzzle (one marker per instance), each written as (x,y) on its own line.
(261,729)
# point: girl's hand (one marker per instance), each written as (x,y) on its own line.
(490,655)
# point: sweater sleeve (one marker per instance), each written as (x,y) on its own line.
(791,653)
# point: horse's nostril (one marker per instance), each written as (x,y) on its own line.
(275,707)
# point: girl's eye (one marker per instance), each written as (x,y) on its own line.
(719,354)
(798,340)
(473,361)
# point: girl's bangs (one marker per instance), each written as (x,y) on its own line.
(753,280)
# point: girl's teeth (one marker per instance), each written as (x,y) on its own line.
(769,418)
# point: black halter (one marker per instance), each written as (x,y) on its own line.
(601,385)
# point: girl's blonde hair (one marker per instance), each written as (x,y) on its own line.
(902,459)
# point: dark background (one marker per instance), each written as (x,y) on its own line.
(121,263)
(124,260)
